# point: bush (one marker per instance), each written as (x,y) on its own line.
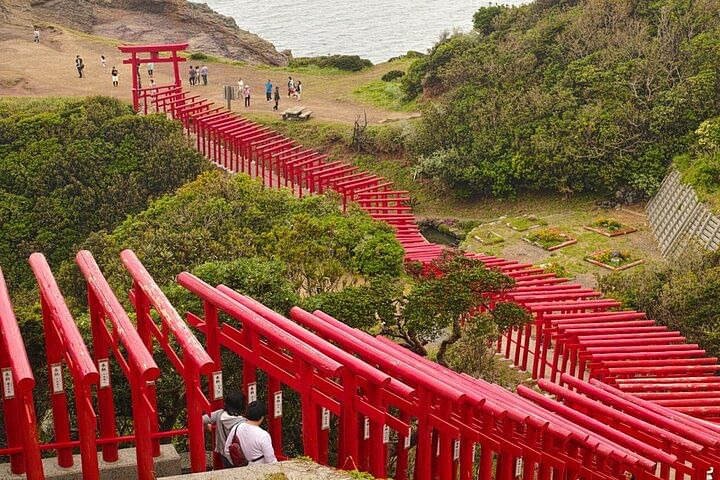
(545,99)
(79,167)
(681,295)
(347,63)
(392,75)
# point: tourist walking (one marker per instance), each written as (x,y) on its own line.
(114,73)
(79,65)
(103,62)
(197,75)
(255,443)
(291,86)
(268,91)
(277,98)
(246,95)
(191,75)
(150,69)
(225,420)
(241,88)
(36,35)
(204,73)
(298,90)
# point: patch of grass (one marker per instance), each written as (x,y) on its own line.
(556,268)
(311,70)
(386,95)
(207,58)
(487,237)
(328,136)
(547,237)
(358,475)
(276,476)
(614,258)
(607,223)
(525,222)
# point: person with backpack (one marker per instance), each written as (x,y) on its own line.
(248,443)
(225,420)
(191,75)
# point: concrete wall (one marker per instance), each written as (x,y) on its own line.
(677,218)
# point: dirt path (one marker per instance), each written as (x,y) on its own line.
(48,69)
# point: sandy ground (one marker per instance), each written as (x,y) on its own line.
(48,69)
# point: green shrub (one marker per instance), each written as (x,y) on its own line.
(347,63)
(199,56)
(544,98)
(81,166)
(392,75)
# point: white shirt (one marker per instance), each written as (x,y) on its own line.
(254,442)
(224,423)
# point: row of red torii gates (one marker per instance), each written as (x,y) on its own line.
(382,400)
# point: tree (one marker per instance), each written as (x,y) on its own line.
(450,292)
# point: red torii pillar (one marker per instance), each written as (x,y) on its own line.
(136,59)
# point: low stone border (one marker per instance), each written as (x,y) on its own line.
(568,242)
(610,267)
(608,233)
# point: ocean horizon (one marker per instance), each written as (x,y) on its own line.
(374,29)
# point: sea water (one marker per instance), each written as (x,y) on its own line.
(374,29)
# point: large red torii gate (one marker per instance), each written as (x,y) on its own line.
(136,59)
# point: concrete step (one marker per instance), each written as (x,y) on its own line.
(289,470)
(167,464)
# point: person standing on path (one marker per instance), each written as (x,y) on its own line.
(291,86)
(225,420)
(103,62)
(204,73)
(268,91)
(255,442)
(298,90)
(36,35)
(114,74)
(151,69)
(277,98)
(79,65)
(246,95)
(197,75)
(191,76)
(241,88)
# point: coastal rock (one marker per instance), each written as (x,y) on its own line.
(154,21)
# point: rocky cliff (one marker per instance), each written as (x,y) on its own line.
(150,21)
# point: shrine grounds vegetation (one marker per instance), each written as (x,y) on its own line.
(71,167)
(567,96)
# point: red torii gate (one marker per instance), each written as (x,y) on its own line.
(136,59)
